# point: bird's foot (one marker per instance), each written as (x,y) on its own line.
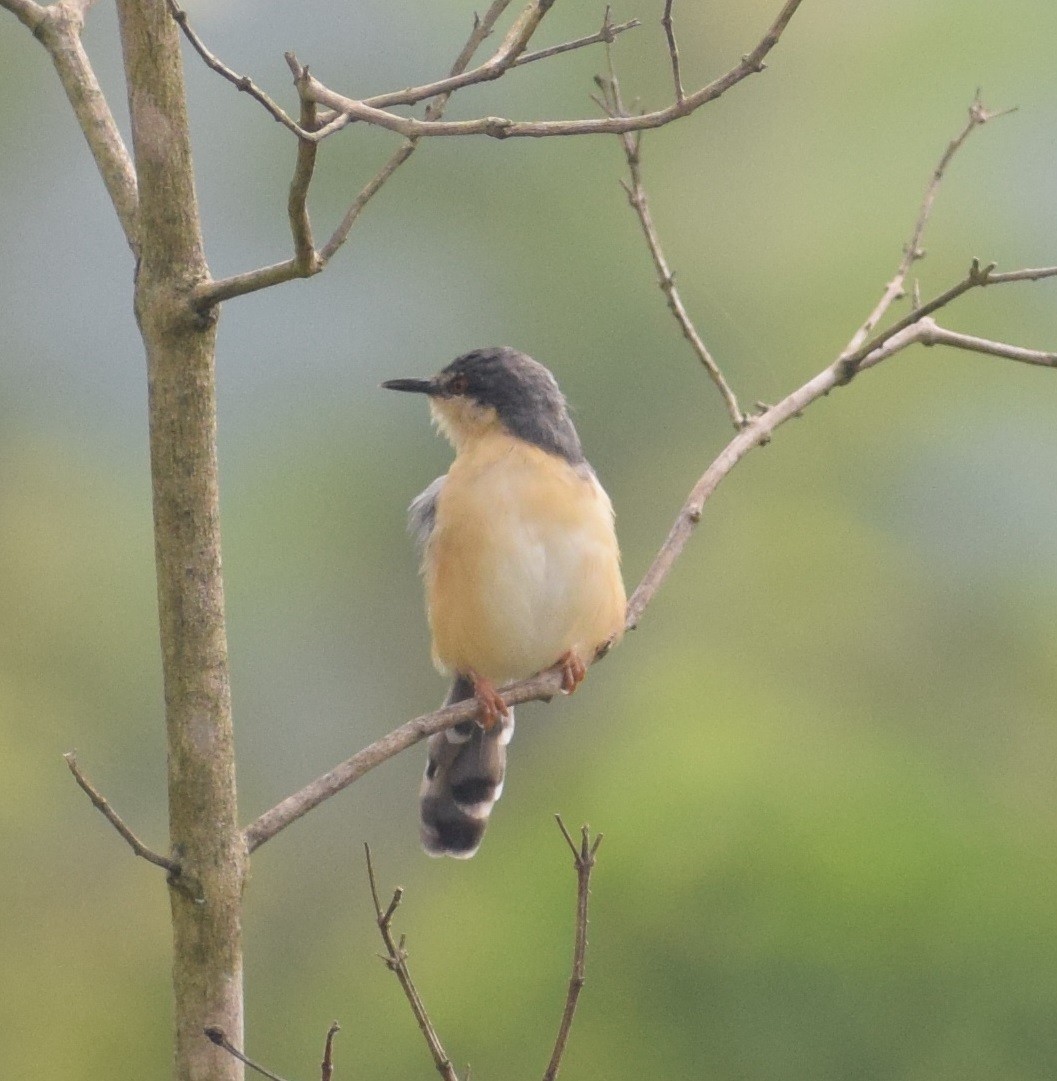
(488,698)
(573,671)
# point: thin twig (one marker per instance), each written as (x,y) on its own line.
(913,251)
(347,110)
(369,190)
(373,110)
(326,1067)
(928,332)
(482,29)
(510,53)
(308,262)
(217,1036)
(103,805)
(369,111)
(977,277)
(608,32)
(760,428)
(583,862)
(613,104)
(1028,274)
(240,82)
(673,49)
(396,962)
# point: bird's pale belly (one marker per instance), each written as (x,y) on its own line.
(522,566)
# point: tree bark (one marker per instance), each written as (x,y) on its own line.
(180,349)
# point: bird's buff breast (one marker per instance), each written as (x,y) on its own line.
(522,564)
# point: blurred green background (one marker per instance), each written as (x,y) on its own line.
(824,765)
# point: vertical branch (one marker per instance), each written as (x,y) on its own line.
(326,1067)
(673,50)
(396,961)
(297,203)
(613,105)
(180,347)
(482,28)
(583,861)
(896,288)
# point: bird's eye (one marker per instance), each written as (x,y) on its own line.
(459,384)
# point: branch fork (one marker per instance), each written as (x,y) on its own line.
(340,110)
(102,804)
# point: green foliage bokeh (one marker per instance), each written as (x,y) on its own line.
(825,763)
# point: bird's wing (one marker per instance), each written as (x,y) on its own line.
(422,513)
(466,765)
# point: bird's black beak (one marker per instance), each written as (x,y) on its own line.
(417,386)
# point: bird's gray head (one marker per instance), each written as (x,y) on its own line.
(499,386)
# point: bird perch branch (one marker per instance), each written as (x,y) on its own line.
(915,327)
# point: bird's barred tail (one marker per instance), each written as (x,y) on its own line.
(463,779)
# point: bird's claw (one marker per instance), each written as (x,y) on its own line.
(489,700)
(573,671)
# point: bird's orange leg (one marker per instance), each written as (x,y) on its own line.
(573,671)
(488,698)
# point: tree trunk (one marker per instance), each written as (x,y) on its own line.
(180,348)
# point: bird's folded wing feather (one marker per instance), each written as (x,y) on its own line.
(422,514)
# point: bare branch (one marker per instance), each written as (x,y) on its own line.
(307,261)
(636,193)
(346,110)
(546,685)
(482,28)
(103,806)
(58,28)
(760,428)
(583,862)
(305,256)
(218,1036)
(510,55)
(396,962)
(673,49)
(896,288)
(369,111)
(755,431)
(210,293)
(608,32)
(504,58)
(31,15)
(977,277)
(326,1067)
(927,332)
(240,82)
(1028,274)
(367,193)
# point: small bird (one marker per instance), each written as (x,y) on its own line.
(521,569)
